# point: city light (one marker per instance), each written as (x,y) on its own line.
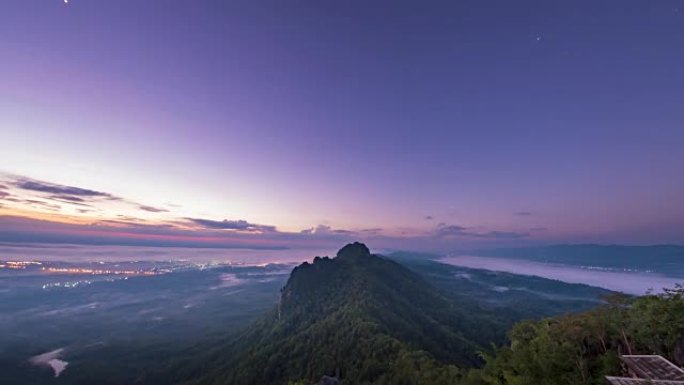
(80,270)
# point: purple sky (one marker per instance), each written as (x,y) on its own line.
(410,124)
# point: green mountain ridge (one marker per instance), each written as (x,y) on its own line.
(360,317)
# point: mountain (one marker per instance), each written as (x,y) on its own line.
(358,317)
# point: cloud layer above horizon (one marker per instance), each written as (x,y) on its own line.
(35,211)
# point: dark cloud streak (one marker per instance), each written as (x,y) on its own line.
(68,198)
(452,231)
(152,209)
(238,225)
(51,188)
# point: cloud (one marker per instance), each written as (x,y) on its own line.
(68,198)
(347,232)
(126,217)
(452,231)
(46,205)
(72,200)
(523,213)
(444,230)
(57,189)
(204,232)
(327,233)
(152,209)
(222,234)
(324,229)
(501,235)
(18,230)
(239,225)
(29,202)
(133,223)
(320,229)
(372,231)
(69,194)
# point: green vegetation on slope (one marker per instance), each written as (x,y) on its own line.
(368,320)
(360,317)
(581,348)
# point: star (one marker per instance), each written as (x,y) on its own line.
(538,38)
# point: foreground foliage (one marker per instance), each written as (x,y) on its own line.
(582,348)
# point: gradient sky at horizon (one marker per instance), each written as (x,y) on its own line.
(414,124)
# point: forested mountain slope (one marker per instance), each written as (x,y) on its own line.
(365,319)
(360,317)
(582,348)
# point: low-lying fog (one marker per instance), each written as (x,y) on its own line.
(52,360)
(637,283)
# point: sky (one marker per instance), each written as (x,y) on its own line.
(429,125)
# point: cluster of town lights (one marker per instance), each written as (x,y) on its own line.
(80,270)
(17,264)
